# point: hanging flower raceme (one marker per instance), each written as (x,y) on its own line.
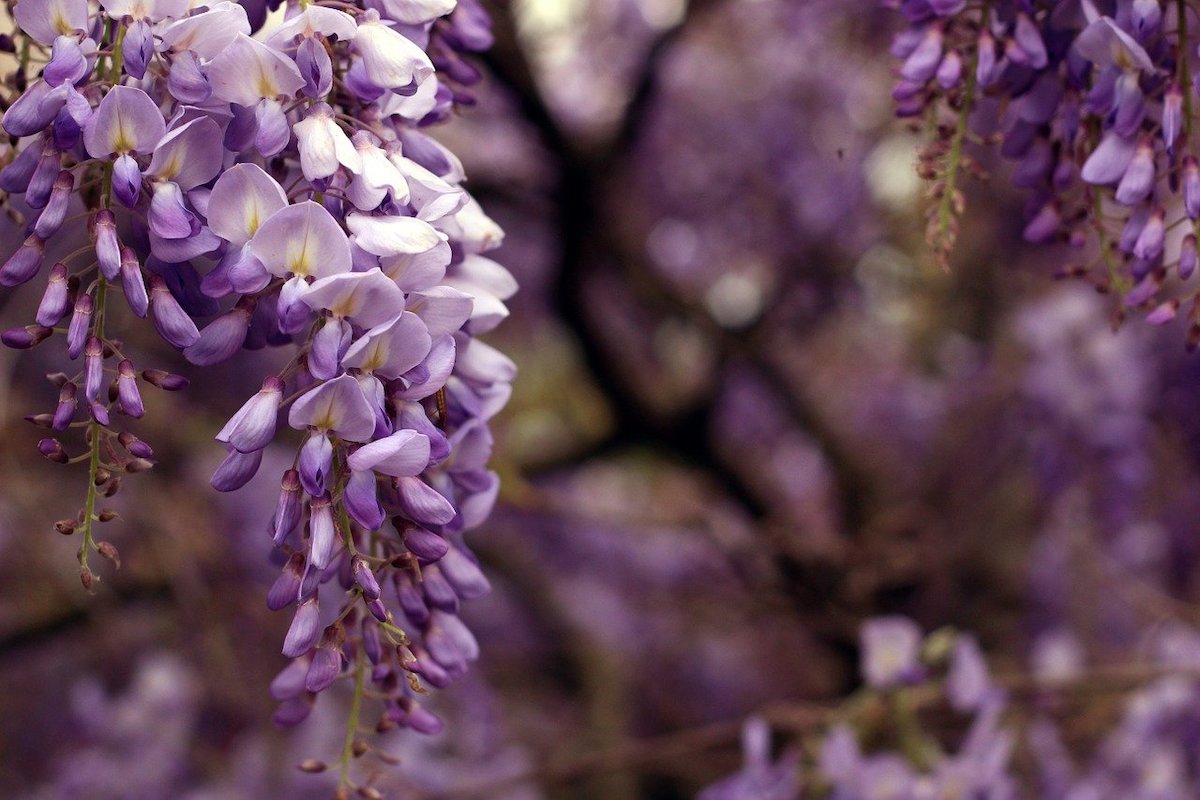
(173,130)
(1096,111)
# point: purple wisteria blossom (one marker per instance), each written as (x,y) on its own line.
(244,185)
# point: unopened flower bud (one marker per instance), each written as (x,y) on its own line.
(167,381)
(26,336)
(53,450)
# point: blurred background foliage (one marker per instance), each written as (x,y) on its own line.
(751,414)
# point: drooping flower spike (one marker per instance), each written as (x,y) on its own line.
(177,129)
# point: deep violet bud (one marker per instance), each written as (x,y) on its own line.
(379,610)
(53,450)
(304,630)
(1191,187)
(292,712)
(438,591)
(167,381)
(327,661)
(15,175)
(100,414)
(985,68)
(1144,290)
(370,640)
(1029,40)
(315,67)
(1187,256)
(1163,313)
(37,194)
(463,573)
(81,320)
(25,336)
(253,426)
(65,411)
(108,246)
(128,395)
(224,336)
(425,545)
(289,508)
(364,577)
(171,321)
(133,283)
(236,470)
(322,532)
(362,500)
(56,300)
(134,445)
(23,264)
(1044,224)
(1145,16)
(316,462)
(52,216)
(93,370)
(286,589)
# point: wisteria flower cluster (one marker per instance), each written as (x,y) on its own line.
(1094,103)
(248,183)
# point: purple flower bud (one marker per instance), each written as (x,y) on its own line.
(286,589)
(438,591)
(313,60)
(923,62)
(1139,177)
(167,381)
(32,112)
(449,641)
(53,450)
(134,445)
(412,601)
(93,370)
(985,68)
(425,545)
(325,356)
(81,320)
(1029,40)
(1172,115)
(967,682)
(321,531)
(57,297)
(1191,187)
(224,336)
(1044,224)
(137,48)
(187,82)
(67,63)
(370,640)
(15,176)
(171,321)
(25,337)
(422,720)
(289,682)
(288,510)
(52,216)
(236,470)
(362,500)
(421,504)
(128,396)
(326,663)
(949,72)
(464,574)
(292,712)
(1144,290)
(304,630)
(1145,16)
(364,577)
(65,411)
(37,194)
(1163,313)
(100,414)
(108,246)
(316,462)
(253,426)
(1149,244)
(127,180)
(132,282)
(379,610)
(1187,256)
(24,263)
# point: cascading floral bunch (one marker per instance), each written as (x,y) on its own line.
(248,184)
(1093,101)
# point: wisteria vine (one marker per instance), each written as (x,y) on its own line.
(246,178)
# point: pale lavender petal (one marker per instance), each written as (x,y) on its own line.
(302,239)
(404,453)
(126,121)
